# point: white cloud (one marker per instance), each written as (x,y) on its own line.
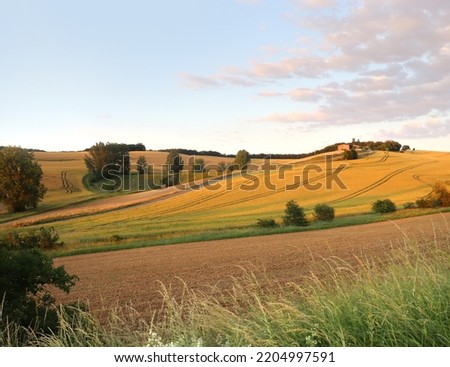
(395,55)
(314,4)
(433,128)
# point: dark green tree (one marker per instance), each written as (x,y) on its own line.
(104,160)
(242,160)
(175,165)
(294,215)
(141,164)
(21,186)
(25,276)
(392,146)
(350,154)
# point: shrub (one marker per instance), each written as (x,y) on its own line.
(294,215)
(409,205)
(267,223)
(44,239)
(438,197)
(323,212)
(384,206)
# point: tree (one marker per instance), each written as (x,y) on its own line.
(405,147)
(175,165)
(106,159)
(392,146)
(350,154)
(242,159)
(25,274)
(199,165)
(139,147)
(21,186)
(141,165)
(323,212)
(222,166)
(294,215)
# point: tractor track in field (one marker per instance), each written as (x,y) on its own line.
(377,183)
(195,203)
(419,179)
(67,185)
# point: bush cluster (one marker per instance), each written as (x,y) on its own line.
(384,206)
(267,223)
(323,212)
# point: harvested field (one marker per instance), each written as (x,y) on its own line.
(134,276)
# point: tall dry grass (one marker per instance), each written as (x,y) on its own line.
(399,300)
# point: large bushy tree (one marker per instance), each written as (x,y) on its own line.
(104,160)
(294,215)
(175,165)
(21,186)
(242,159)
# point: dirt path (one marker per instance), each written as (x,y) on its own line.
(98,206)
(134,275)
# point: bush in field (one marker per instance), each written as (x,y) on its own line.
(44,239)
(409,205)
(294,215)
(384,206)
(25,274)
(323,212)
(438,197)
(267,223)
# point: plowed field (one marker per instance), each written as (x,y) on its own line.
(135,275)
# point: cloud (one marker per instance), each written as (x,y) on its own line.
(199,82)
(314,4)
(373,61)
(292,117)
(434,128)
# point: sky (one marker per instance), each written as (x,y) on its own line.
(272,76)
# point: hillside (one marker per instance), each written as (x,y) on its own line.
(233,203)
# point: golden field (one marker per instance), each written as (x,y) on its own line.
(234,202)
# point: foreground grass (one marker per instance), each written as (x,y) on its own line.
(399,300)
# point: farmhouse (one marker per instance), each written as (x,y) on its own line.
(342,147)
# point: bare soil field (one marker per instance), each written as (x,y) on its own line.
(135,276)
